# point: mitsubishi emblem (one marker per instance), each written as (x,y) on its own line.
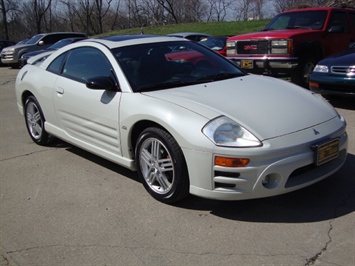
(316,132)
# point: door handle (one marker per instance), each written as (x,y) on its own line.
(59,90)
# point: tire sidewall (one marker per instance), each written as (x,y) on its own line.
(178,187)
(44,138)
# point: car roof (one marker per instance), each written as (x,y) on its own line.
(185,34)
(318,9)
(123,40)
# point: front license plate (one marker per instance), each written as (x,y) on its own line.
(327,151)
(247,64)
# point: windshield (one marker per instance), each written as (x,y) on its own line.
(165,65)
(34,39)
(313,20)
(60,44)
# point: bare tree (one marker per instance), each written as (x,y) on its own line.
(282,5)
(218,9)
(4,11)
(37,11)
(169,6)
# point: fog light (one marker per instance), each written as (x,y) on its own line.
(271,181)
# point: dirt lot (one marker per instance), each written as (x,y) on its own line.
(63,206)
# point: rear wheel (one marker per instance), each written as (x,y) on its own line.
(161,166)
(303,71)
(35,122)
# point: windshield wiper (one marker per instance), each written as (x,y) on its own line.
(180,83)
(298,27)
(166,85)
(220,76)
(269,29)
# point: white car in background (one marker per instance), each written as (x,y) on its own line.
(187,119)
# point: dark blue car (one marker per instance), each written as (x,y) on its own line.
(335,75)
(56,46)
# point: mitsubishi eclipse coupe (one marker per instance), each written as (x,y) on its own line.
(186,119)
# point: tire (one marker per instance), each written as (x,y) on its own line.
(35,122)
(303,71)
(161,166)
(15,66)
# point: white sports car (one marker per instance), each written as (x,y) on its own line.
(187,119)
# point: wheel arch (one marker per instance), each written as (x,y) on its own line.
(308,48)
(25,96)
(139,127)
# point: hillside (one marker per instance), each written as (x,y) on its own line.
(213,28)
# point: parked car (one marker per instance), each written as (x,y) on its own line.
(335,75)
(52,48)
(293,42)
(215,132)
(216,43)
(5,43)
(12,54)
(193,36)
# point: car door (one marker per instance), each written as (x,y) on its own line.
(339,34)
(88,117)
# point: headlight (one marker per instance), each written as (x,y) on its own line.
(223,131)
(230,48)
(281,46)
(8,51)
(321,69)
(279,43)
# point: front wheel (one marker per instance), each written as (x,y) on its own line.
(161,166)
(35,122)
(303,71)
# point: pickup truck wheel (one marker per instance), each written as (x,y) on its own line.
(15,66)
(303,71)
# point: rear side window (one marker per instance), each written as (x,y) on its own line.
(339,20)
(57,64)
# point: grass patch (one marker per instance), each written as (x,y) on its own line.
(214,28)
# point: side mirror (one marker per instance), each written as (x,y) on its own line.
(41,43)
(101,83)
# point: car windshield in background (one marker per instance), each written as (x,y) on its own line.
(313,20)
(214,43)
(34,39)
(165,65)
(60,44)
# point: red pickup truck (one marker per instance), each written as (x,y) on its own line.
(293,42)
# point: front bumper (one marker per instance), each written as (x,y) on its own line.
(274,168)
(266,65)
(9,58)
(332,84)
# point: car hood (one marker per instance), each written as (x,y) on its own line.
(266,106)
(17,46)
(346,58)
(36,52)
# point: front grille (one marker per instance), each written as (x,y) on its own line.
(344,70)
(253,47)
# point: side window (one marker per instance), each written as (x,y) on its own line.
(57,64)
(49,39)
(352,19)
(85,63)
(338,23)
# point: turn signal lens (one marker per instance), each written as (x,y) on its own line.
(313,84)
(231,162)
